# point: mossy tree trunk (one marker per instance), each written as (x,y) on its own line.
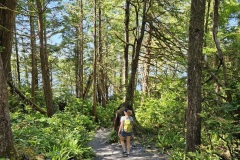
(7,149)
(7,20)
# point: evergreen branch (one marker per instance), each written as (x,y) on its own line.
(6,8)
(123,40)
(6,29)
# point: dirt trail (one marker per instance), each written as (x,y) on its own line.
(104,150)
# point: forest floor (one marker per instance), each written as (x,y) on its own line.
(106,151)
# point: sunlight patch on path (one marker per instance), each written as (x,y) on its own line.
(107,151)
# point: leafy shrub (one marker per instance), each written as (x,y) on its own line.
(171,139)
(106,114)
(63,136)
(165,113)
(113,136)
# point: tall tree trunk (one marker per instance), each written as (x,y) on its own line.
(34,84)
(106,73)
(7,149)
(126,45)
(146,63)
(17,56)
(95,63)
(219,51)
(7,20)
(79,79)
(207,20)
(99,93)
(196,33)
(88,85)
(44,62)
(135,59)
(101,61)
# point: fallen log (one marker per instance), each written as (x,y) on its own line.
(28,101)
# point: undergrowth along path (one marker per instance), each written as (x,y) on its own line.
(113,151)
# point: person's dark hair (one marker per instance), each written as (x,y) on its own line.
(128,111)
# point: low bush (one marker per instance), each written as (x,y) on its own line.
(63,136)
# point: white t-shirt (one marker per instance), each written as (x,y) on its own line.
(125,117)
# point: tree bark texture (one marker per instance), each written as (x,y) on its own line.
(7,149)
(44,63)
(17,56)
(219,50)
(102,68)
(88,85)
(95,63)
(34,82)
(126,45)
(7,20)
(79,65)
(196,34)
(135,59)
(146,63)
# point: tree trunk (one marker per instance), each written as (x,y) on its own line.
(95,63)
(135,59)
(79,65)
(7,149)
(88,85)
(219,51)
(7,20)
(102,68)
(146,63)
(17,56)
(196,33)
(106,75)
(44,63)
(126,45)
(134,65)
(34,84)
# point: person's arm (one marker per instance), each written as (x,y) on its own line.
(120,127)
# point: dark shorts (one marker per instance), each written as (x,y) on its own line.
(125,134)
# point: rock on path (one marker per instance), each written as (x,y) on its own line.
(106,151)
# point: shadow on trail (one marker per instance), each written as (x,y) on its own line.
(106,151)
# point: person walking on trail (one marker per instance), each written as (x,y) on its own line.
(125,131)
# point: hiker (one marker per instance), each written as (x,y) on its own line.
(125,130)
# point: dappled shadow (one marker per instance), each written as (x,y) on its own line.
(107,151)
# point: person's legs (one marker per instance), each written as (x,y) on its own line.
(123,143)
(128,144)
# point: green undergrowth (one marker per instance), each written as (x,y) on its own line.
(106,114)
(63,136)
(161,123)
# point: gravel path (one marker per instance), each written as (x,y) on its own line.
(106,151)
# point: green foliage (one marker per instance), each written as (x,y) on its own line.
(178,154)
(219,130)
(163,112)
(113,136)
(67,133)
(166,113)
(171,139)
(63,136)
(106,115)
(199,156)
